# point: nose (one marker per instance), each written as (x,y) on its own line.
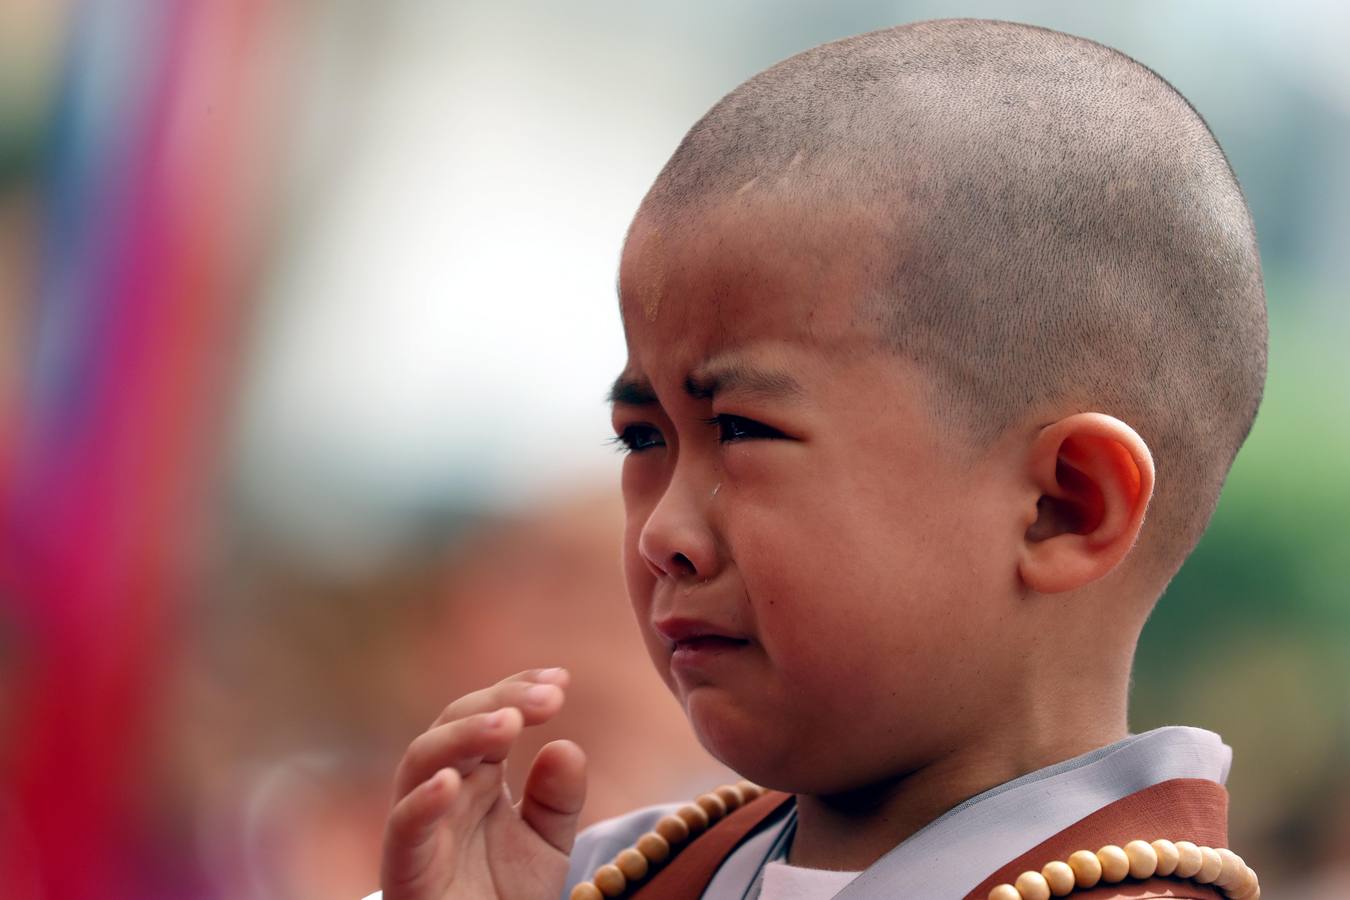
(677,540)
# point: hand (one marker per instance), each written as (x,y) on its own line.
(454,832)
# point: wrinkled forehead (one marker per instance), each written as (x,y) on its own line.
(744,269)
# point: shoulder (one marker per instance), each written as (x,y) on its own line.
(601,842)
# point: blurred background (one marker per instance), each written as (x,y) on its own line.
(308,314)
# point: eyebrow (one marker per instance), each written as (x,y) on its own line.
(631,391)
(740,378)
(712,380)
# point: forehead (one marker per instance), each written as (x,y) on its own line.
(747,272)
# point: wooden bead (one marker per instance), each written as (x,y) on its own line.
(712,805)
(586,891)
(1210,869)
(693,816)
(1033,886)
(1167,857)
(673,829)
(1087,868)
(1243,883)
(1115,864)
(1189,860)
(731,796)
(1254,881)
(1004,892)
(1248,889)
(610,880)
(1143,859)
(749,790)
(1060,878)
(632,864)
(1230,870)
(654,847)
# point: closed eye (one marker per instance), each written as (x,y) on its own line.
(639,437)
(738,428)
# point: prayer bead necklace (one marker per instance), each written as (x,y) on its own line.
(633,865)
(1084,869)
(1138,859)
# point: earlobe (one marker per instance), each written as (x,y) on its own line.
(1093,476)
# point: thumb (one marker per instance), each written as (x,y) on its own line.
(554,792)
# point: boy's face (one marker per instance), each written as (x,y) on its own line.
(788,494)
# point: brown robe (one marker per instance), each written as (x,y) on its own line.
(1189,809)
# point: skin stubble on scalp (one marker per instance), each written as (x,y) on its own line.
(652,277)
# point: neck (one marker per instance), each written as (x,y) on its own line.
(850,830)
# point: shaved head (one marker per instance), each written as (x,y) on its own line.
(1060,230)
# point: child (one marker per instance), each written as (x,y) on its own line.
(920,324)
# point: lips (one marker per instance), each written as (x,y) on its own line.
(699,649)
(708,644)
(686,632)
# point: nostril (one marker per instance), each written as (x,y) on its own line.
(681,565)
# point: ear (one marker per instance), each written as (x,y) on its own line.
(1094,476)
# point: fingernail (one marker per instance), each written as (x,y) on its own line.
(497,718)
(539,694)
(550,675)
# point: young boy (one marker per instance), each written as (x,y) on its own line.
(920,324)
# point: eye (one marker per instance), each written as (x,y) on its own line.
(636,438)
(738,428)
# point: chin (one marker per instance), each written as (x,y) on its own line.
(782,753)
(750,745)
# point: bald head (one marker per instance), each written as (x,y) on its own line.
(1061,233)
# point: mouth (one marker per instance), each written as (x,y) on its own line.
(708,643)
(681,632)
(699,657)
(697,646)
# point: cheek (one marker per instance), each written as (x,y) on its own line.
(641,485)
(637,576)
(852,581)
(641,478)
(641,583)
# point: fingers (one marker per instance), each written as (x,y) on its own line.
(537,693)
(554,793)
(412,828)
(451,775)
(461,745)
(481,726)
